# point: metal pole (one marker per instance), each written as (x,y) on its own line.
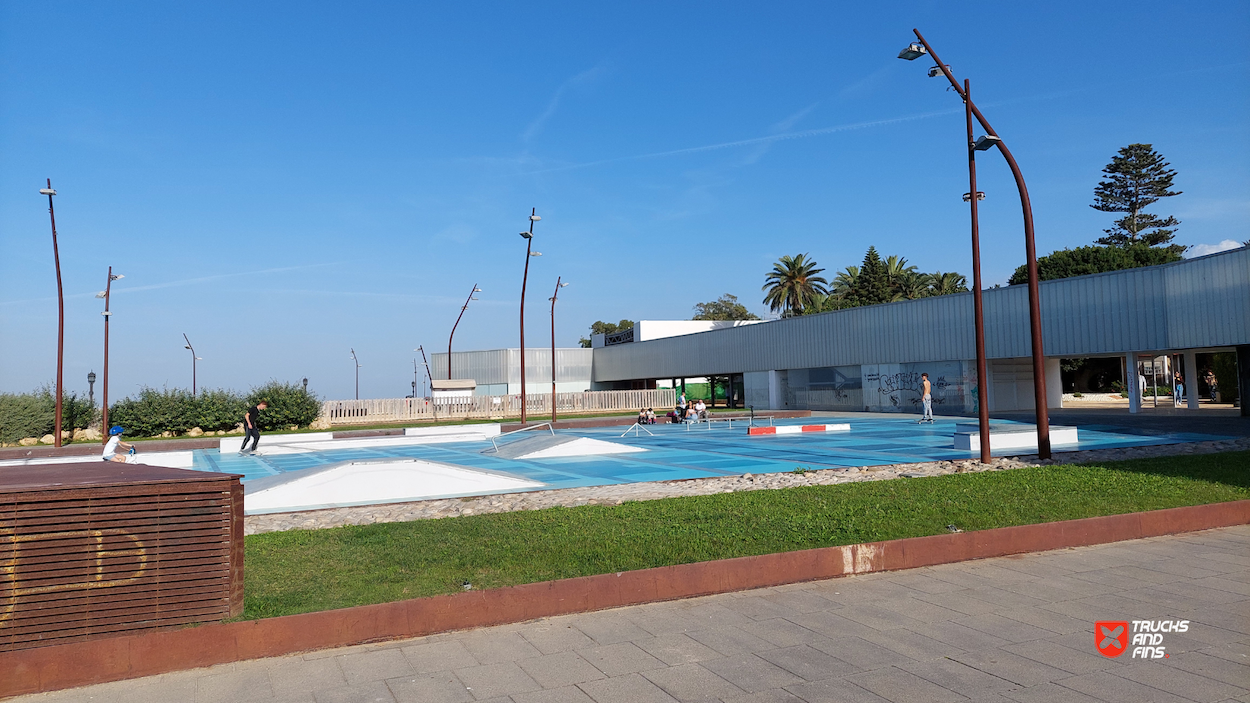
(529,242)
(193,359)
(1035,310)
(357,362)
(60,320)
(108,315)
(453,330)
(554,295)
(983,411)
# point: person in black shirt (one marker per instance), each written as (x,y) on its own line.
(251,426)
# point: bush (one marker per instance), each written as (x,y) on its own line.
(34,414)
(1224,365)
(176,410)
(289,404)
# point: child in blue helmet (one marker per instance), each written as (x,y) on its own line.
(115,442)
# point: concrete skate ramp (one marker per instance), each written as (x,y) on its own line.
(551,446)
(378,481)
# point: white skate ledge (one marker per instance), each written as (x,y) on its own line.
(1009,437)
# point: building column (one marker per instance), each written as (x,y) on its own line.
(1131,383)
(776,394)
(1054,384)
(1191,379)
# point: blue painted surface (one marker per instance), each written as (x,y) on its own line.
(675,452)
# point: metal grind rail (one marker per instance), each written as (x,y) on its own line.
(634,428)
(729,421)
(523,429)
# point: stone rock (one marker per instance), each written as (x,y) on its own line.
(221,433)
(29,441)
(88,434)
(167,433)
(195,432)
(47,439)
(320,424)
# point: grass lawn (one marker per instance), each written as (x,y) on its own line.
(306,570)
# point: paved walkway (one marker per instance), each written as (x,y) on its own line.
(1007,629)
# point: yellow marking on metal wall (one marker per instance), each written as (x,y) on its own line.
(9,567)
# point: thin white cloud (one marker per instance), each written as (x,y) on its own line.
(536,126)
(120,289)
(1204,249)
(754,140)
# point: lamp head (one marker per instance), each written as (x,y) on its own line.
(476,289)
(102,294)
(91,377)
(968,198)
(527,235)
(536,253)
(188,346)
(936,71)
(47,191)
(117,276)
(563,285)
(985,141)
(535,218)
(913,51)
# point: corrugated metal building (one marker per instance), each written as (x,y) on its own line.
(871,357)
(498,371)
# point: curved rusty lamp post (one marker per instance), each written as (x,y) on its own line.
(529,243)
(553,297)
(989,140)
(60,313)
(453,333)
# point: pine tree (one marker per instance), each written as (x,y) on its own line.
(1136,178)
(873,284)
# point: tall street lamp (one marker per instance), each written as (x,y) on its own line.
(194,359)
(553,297)
(60,315)
(529,243)
(991,139)
(453,333)
(357,361)
(426,362)
(91,388)
(106,294)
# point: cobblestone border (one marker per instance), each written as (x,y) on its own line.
(617,494)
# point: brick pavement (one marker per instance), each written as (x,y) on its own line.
(1012,629)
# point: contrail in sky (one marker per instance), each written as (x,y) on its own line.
(171,284)
(755,140)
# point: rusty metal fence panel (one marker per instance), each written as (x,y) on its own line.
(94,550)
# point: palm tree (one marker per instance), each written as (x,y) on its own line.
(947,283)
(844,283)
(792,284)
(896,269)
(912,285)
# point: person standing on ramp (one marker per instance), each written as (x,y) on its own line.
(251,427)
(927,398)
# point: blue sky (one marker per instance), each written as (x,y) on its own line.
(285,181)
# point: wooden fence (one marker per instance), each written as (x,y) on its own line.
(490,407)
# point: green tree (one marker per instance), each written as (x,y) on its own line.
(911,285)
(872,287)
(844,283)
(601,327)
(792,284)
(1137,177)
(725,307)
(947,283)
(1096,259)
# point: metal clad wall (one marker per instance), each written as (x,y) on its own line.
(1191,304)
(493,366)
(1209,300)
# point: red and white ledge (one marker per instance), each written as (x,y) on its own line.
(798,429)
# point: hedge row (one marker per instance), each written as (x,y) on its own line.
(155,412)
(34,414)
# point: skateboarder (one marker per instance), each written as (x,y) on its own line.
(251,426)
(927,398)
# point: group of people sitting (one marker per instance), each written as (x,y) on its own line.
(692,412)
(646,416)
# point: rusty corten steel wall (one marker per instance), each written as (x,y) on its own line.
(95,550)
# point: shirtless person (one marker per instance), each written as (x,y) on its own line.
(927,398)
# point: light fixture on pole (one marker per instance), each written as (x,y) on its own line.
(914,51)
(529,243)
(106,294)
(357,361)
(553,297)
(968,196)
(60,319)
(194,359)
(453,329)
(91,388)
